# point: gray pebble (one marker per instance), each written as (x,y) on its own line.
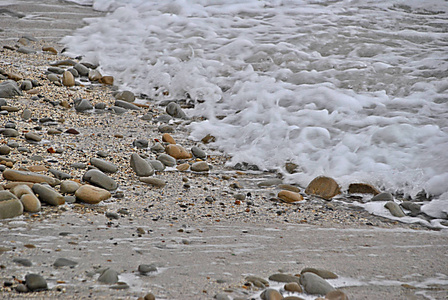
(70,199)
(9,89)
(140,166)
(112,215)
(144,269)
(82,70)
(35,282)
(394,209)
(167,160)
(60,175)
(200,166)
(157,165)
(166,128)
(98,178)
(118,110)
(26,85)
(64,262)
(56,70)
(53,77)
(125,96)
(198,152)
(100,105)
(23,261)
(383,197)
(26,114)
(109,276)
(21,288)
(83,105)
(140,144)
(270,182)
(4,150)
(314,284)
(157,148)
(174,110)
(79,165)
(126,105)
(103,165)
(10,132)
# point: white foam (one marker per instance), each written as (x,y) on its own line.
(355,90)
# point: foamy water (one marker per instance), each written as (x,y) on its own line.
(355,90)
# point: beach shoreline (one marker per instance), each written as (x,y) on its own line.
(200,236)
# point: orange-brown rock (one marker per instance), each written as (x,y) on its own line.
(38,168)
(166,137)
(107,80)
(324,187)
(50,49)
(362,188)
(178,152)
(289,196)
(183,167)
(336,295)
(68,79)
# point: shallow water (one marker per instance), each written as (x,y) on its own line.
(356,90)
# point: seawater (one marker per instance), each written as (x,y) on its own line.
(355,90)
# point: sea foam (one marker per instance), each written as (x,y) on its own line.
(355,90)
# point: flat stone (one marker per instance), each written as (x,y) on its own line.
(48,195)
(26,85)
(200,166)
(164,128)
(26,114)
(314,284)
(35,282)
(125,96)
(82,70)
(10,208)
(9,89)
(157,148)
(324,187)
(140,166)
(103,165)
(60,175)
(183,167)
(10,132)
(156,182)
(15,175)
(53,77)
(157,165)
(144,269)
(23,261)
(362,188)
(31,136)
(289,187)
(4,150)
(289,196)
(91,194)
(98,178)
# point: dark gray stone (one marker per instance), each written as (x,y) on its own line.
(35,282)
(157,165)
(198,152)
(83,105)
(144,269)
(48,195)
(167,160)
(174,110)
(23,261)
(140,144)
(126,105)
(140,166)
(82,70)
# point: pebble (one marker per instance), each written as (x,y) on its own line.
(270,182)
(183,167)
(167,160)
(56,70)
(293,287)
(118,110)
(166,137)
(200,166)
(68,79)
(50,49)
(164,128)
(23,261)
(74,72)
(53,77)
(178,152)
(79,165)
(21,288)
(94,75)
(324,187)
(10,132)
(70,199)
(26,114)
(336,295)
(280,277)
(26,85)
(64,262)
(144,269)
(314,284)
(59,174)
(157,165)
(7,195)
(174,110)
(149,296)
(98,178)
(109,80)
(156,182)
(126,105)
(413,207)
(69,187)
(198,152)
(30,203)
(320,272)
(289,187)
(157,148)
(289,196)
(26,50)
(109,276)
(91,194)
(140,166)
(394,209)
(125,96)
(35,282)
(15,175)
(271,294)
(103,165)
(383,197)
(83,105)
(140,144)
(48,195)
(4,150)
(82,70)
(362,188)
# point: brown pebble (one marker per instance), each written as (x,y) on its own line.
(362,188)
(324,187)
(166,137)
(50,49)
(183,167)
(68,79)
(289,196)
(178,152)
(72,131)
(107,80)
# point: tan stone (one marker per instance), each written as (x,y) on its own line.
(321,273)
(362,188)
(183,167)
(91,194)
(21,189)
(324,187)
(156,182)
(50,49)
(166,137)
(336,295)
(293,287)
(10,208)
(15,175)
(178,152)
(68,79)
(11,185)
(289,196)
(289,187)
(107,80)
(30,202)
(38,168)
